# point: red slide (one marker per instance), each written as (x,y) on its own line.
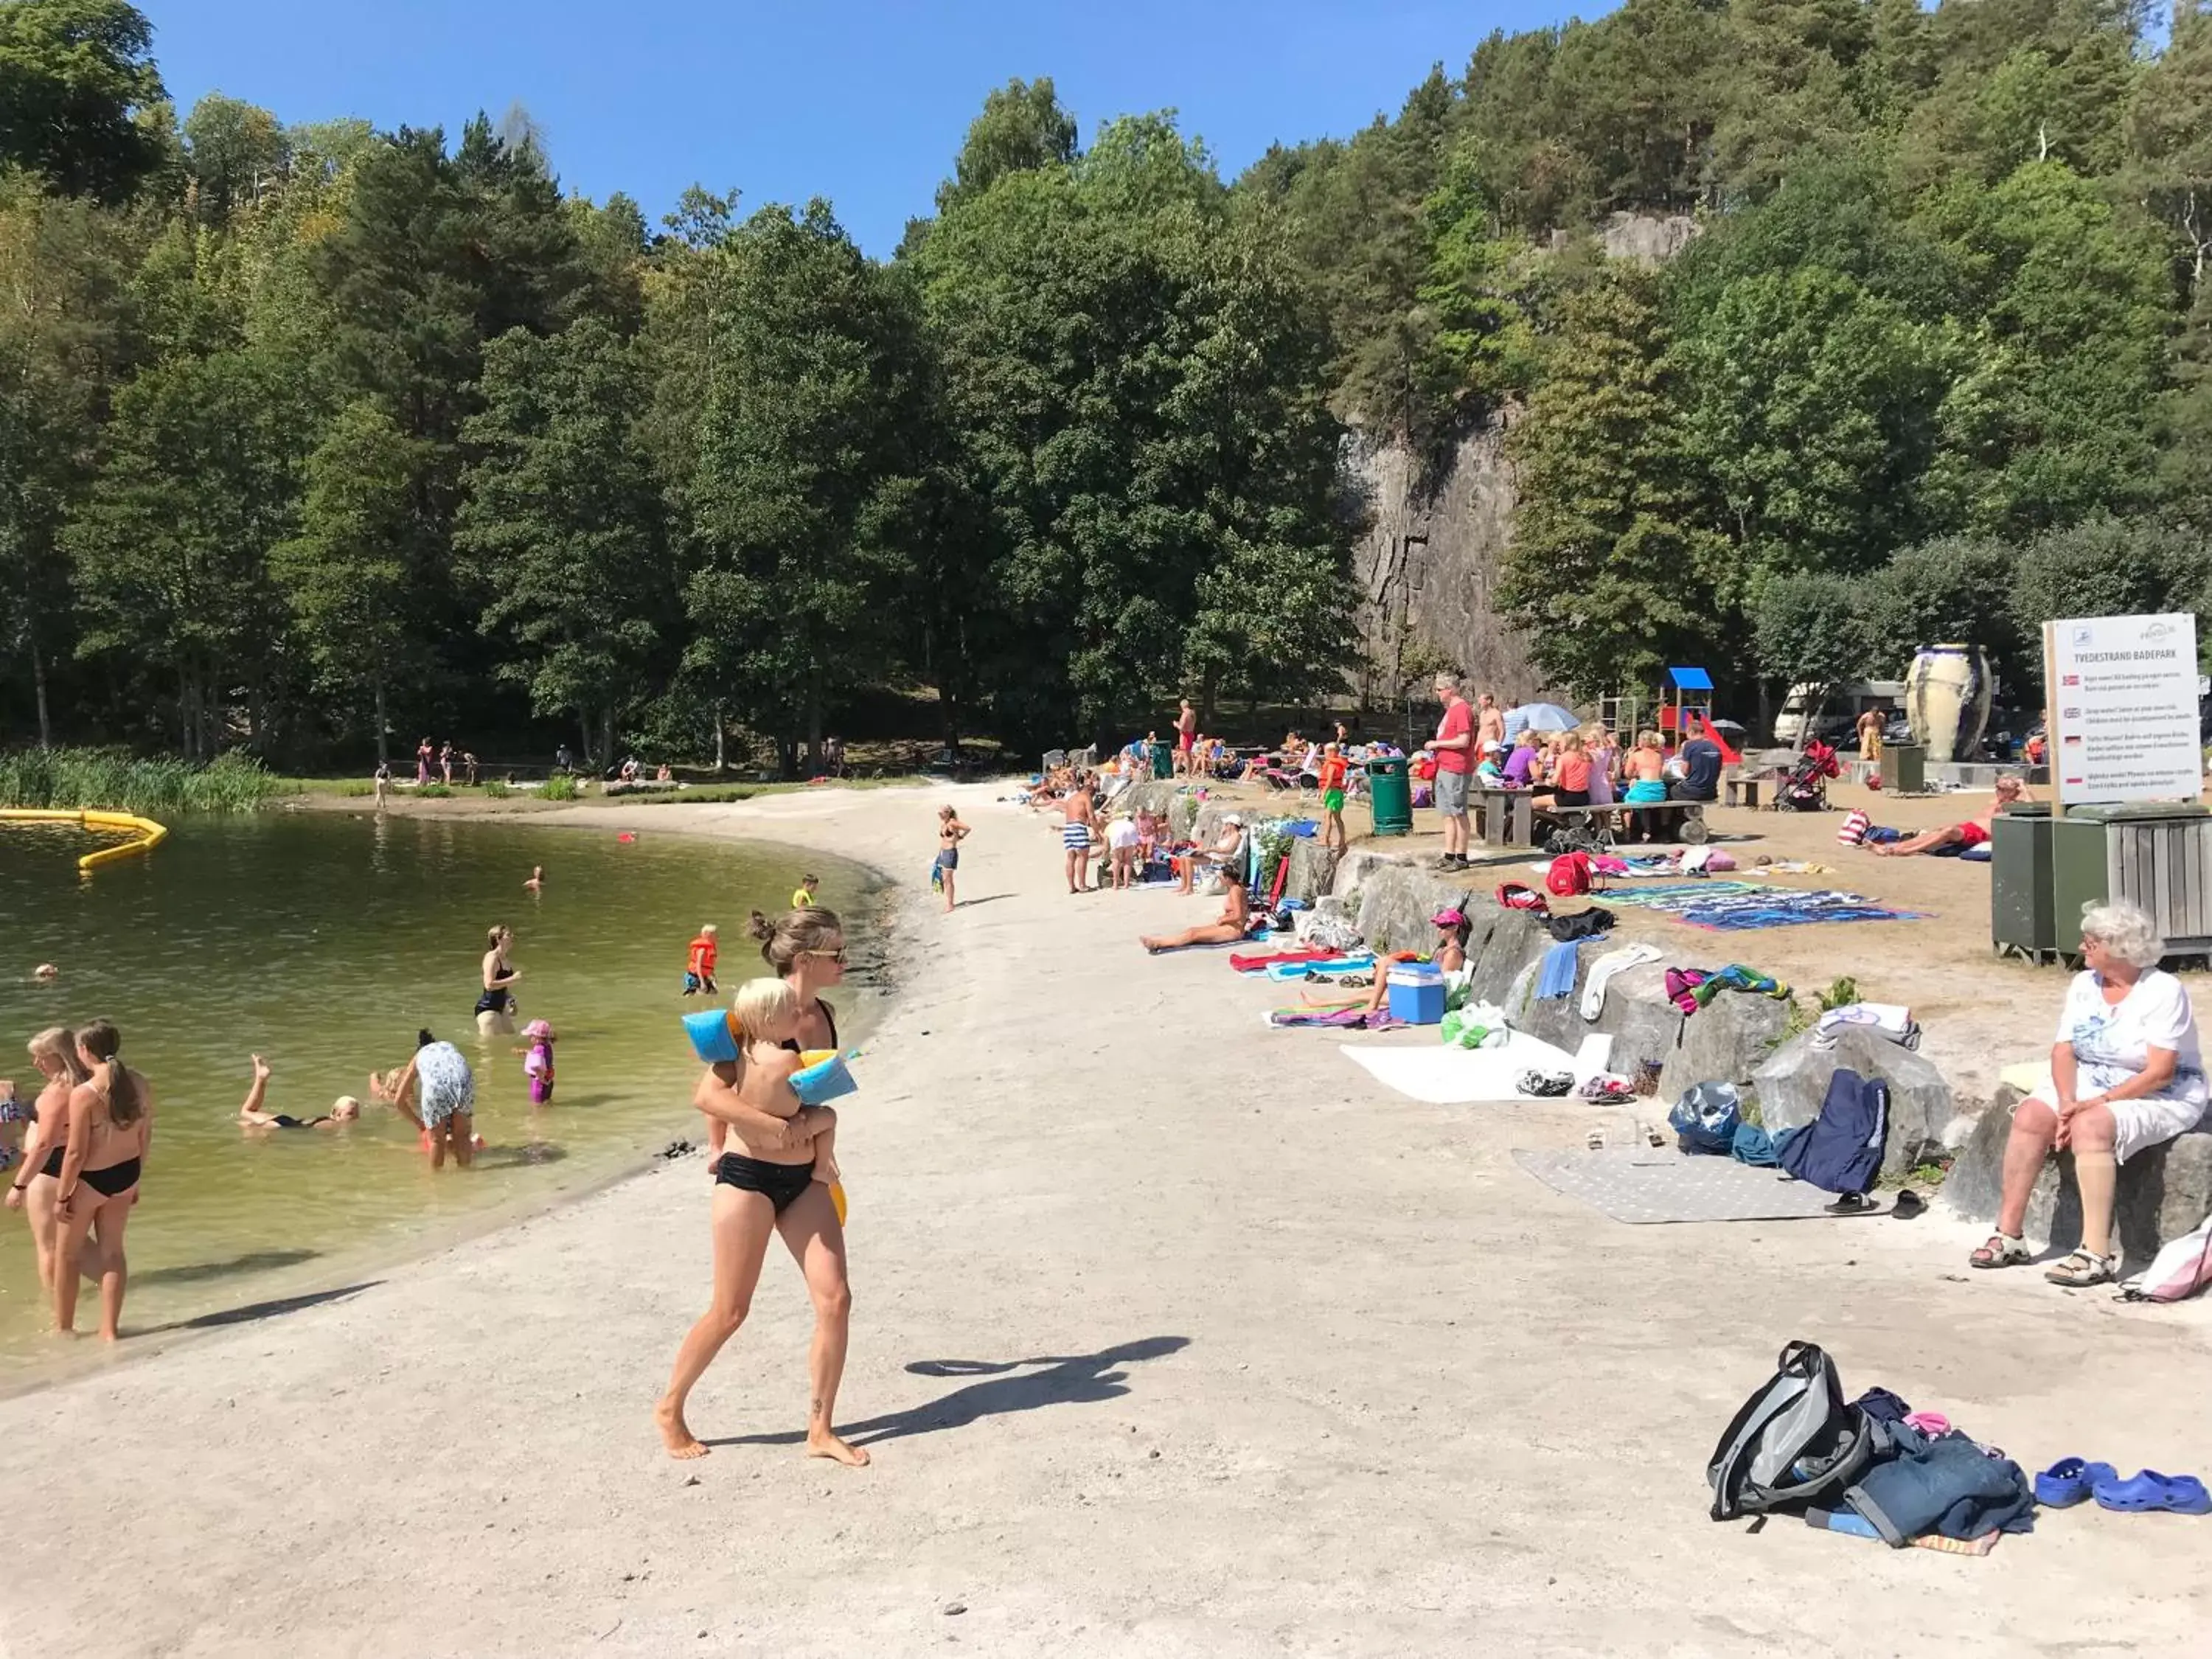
(1720,742)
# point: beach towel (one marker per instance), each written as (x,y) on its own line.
(1730,907)
(1349,1019)
(1884,1019)
(1603,969)
(1559,973)
(1252,962)
(1737,977)
(1440,1075)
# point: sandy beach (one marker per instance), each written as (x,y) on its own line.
(1172,1335)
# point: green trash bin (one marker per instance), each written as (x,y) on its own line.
(1390,796)
(2147,852)
(1904,769)
(2022,915)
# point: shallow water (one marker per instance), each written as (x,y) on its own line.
(323,942)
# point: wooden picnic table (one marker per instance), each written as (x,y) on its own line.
(1500,817)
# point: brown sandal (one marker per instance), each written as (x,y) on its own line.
(2000,1252)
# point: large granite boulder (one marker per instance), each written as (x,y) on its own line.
(2164,1191)
(1727,1041)
(1794,1080)
(1313,869)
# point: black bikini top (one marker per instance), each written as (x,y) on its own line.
(829,1017)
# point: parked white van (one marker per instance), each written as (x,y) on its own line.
(1839,712)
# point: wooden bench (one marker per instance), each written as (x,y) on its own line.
(1742,791)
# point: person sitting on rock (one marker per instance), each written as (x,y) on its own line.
(2126,1073)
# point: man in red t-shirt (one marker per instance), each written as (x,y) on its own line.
(1455,738)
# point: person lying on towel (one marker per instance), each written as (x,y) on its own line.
(1233,923)
(1974,832)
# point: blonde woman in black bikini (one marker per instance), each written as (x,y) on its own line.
(111,1128)
(38,1178)
(778,1182)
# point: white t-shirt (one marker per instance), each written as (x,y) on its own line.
(1122,832)
(2111,1044)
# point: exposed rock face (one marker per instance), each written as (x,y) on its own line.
(1429,563)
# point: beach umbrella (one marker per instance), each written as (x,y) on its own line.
(1539,717)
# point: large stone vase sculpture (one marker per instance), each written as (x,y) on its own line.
(1946,700)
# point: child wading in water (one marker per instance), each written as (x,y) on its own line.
(537,1062)
(699,975)
(779,1182)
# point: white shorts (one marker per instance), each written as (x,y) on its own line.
(2150,1120)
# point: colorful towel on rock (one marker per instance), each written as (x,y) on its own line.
(1731,906)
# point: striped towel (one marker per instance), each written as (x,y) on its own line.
(1856,824)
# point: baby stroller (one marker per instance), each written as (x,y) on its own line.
(1805,789)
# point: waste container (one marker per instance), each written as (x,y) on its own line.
(2021,911)
(1904,769)
(1163,759)
(2152,853)
(1389,795)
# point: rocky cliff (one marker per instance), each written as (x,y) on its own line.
(1430,561)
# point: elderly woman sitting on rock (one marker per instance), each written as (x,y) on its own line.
(2126,1074)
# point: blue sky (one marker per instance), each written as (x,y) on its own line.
(863,102)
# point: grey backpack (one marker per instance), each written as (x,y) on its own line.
(1794,1443)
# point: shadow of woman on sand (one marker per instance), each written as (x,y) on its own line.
(1014,1385)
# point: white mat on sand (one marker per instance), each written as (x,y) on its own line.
(1447,1075)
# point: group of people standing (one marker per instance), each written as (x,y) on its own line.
(1585,766)
(85,1147)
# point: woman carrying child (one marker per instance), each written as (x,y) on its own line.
(779,1182)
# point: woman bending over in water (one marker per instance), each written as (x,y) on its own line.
(111,1129)
(344,1109)
(778,1182)
(39,1178)
(437,1093)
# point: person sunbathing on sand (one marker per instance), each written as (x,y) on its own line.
(1233,923)
(779,1182)
(344,1109)
(1974,832)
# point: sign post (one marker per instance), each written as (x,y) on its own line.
(2121,709)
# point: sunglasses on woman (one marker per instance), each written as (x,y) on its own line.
(836,956)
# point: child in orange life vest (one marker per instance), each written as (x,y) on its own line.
(699,976)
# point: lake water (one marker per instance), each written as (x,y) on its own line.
(323,942)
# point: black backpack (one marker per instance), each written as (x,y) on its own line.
(1794,1443)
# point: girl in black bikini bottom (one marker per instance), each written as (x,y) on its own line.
(112,1181)
(782,1184)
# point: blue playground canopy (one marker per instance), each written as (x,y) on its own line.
(1689,679)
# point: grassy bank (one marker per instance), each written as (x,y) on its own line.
(108,780)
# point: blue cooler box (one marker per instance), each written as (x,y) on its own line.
(1416,993)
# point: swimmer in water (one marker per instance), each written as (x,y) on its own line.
(536,882)
(344,1109)
(45,972)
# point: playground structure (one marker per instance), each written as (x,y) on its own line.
(145,834)
(1683,709)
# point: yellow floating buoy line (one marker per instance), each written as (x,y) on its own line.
(146,833)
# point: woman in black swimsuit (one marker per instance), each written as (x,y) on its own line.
(806,949)
(38,1178)
(111,1129)
(495,1007)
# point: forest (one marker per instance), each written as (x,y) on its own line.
(316,437)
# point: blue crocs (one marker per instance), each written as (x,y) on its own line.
(2069,1482)
(2181,1494)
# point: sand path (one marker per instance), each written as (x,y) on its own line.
(1171,1336)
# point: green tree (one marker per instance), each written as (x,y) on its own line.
(1810,627)
(238,153)
(1608,572)
(800,438)
(347,574)
(75,77)
(2108,567)
(171,552)
(1953,587)
(1022,128)
(561,520)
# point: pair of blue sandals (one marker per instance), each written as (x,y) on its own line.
(2070,1480)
